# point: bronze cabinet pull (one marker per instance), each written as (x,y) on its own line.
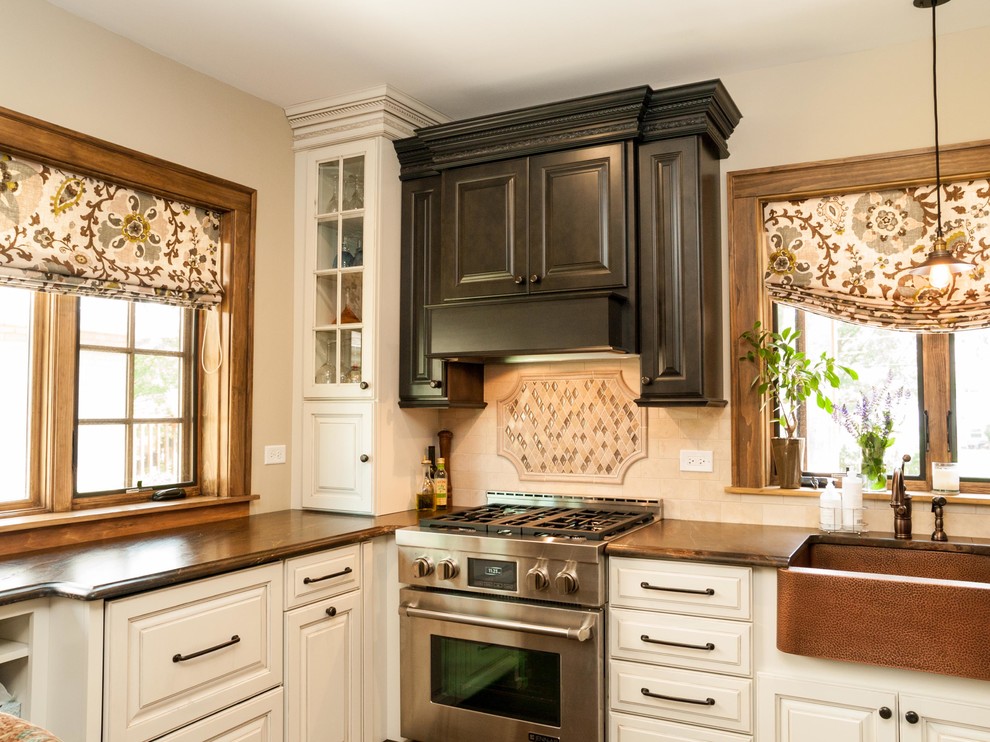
(695,701)
(311,580)
(182,658)
(912,717)
(706,591)
(707,646)
(331,611)
(885,712)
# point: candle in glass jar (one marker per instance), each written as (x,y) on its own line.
(945,477)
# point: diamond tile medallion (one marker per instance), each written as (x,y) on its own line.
(578,427)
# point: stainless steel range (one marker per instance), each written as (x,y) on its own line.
(502,623)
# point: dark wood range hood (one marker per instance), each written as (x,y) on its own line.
(586,225)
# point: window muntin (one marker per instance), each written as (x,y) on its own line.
(134,401)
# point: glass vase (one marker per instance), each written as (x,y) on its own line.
(872,468)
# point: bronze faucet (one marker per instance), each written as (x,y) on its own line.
(938,507)
(900,501)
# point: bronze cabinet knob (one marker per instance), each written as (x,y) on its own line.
(435,383)
(518,280)
(364,458)
(645,380)
(363,385)
(911,717)
(885,713)
(534,278)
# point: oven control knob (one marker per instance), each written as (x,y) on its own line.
(566,582)
(448,569)
(538,579)
(422,566)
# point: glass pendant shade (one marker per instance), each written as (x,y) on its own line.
(940,265)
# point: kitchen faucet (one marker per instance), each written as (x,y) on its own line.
(900,501)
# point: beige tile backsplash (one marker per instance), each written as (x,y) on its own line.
(476,465)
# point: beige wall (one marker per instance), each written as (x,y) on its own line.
(876,101)
(69,72)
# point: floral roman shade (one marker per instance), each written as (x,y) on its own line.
(848,256)
(69,233)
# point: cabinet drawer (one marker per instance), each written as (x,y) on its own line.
(622,728)
(178,654)
(323,575)
(704,698)
(681,587)
(712,644)
(257,720)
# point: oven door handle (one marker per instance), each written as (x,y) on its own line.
(580,634)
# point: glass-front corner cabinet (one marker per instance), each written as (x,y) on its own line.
(339,265)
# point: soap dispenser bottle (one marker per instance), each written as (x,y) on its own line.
(830,509)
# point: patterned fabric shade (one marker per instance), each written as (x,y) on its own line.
(77,234)
(849,256)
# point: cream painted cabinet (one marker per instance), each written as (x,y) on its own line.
(352,450)
(798,710)
(680,652)
(324,641)
(177,655)
(338,456)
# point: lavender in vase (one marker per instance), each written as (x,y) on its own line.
(870,422)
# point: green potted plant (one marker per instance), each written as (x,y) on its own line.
(786,378)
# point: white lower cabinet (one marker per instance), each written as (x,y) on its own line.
(256,720)
(179,654)
(680,652)
(797,710)
(323,649)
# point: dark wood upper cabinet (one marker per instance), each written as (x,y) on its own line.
(587,224)
(680,274)
(577,210)
(426,381)
(483,250)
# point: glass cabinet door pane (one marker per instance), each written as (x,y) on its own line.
(353,191)
(326,301)
(328,190)
(326,244)
(350,298)
(352,249)
(326,358)
(350,356)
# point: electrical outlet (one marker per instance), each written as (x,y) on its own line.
(274,455)
(696,461)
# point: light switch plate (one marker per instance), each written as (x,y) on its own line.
(696,461)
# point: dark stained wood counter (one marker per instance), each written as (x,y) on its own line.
(728,543)
(131,564)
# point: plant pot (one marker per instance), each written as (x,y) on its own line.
(788,458)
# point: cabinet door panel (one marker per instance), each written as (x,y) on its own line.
(483,246)
(944,721)
(793,710)
(336,435)
(577,211)
(323,671)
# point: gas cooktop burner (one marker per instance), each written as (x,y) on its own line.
(505,519)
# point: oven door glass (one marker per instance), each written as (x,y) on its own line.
(505,681)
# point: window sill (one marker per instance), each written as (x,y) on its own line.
(47,530)
(967,498)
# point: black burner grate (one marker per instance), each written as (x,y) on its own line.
(536,520)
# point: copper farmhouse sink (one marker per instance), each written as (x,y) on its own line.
(913,604)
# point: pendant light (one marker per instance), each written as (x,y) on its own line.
(940,263)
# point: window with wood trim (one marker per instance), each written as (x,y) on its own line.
(96,412)
(947,419)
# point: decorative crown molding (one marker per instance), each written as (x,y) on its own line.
(381,111)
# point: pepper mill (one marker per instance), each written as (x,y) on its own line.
(445,436)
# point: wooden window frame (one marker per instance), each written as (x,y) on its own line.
(224,405)
(747,192)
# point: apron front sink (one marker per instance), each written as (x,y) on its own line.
(913,604)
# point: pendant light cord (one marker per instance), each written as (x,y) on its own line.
(938,160)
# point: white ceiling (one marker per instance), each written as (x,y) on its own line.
(469,57)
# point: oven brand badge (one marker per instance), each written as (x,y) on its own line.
(537,737)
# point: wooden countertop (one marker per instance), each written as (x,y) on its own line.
(121,566)
(728,543)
